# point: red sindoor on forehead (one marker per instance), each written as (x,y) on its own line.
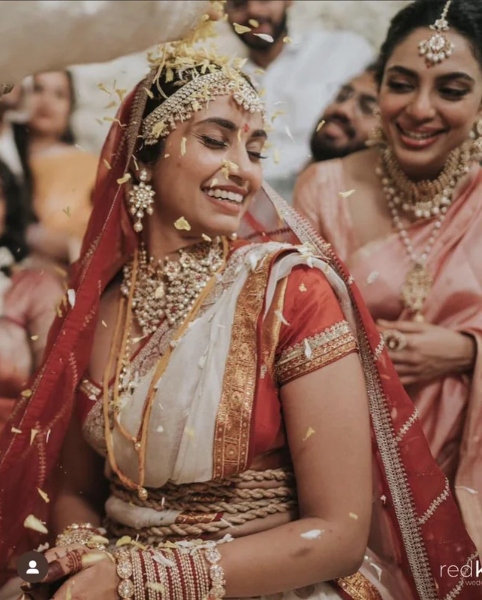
(245,128)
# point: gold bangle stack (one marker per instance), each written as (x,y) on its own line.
(216,574)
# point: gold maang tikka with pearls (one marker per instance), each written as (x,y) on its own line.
(437,48)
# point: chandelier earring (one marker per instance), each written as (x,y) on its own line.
(476,143)
(377,136)
(141,199)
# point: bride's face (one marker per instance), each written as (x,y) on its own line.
(210,169)
(429,111)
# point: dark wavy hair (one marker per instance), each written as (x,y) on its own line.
(17,214)
(464,16)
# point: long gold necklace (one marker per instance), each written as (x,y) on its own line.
(112,405)
(415,198)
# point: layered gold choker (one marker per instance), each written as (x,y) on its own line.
(169,288)
(424,200)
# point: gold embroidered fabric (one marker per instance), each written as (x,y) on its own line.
(315,352)
(358,587)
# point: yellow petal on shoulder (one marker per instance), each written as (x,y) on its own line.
(309,433)
(182,224)
(43,495)
(346,194)
(183,146)
(320,125)
(124,179)
(31,522)
(240,29)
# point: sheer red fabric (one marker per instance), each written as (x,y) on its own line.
(418,525)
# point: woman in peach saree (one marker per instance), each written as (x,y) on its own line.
(224,437)
(435,348)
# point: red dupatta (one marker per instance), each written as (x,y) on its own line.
(418,523)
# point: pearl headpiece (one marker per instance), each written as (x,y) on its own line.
(437,48)
(195,95)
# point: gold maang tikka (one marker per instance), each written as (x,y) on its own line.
(437,48)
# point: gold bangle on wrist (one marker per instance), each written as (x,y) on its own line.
(216,574)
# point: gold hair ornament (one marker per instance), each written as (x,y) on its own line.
(437,48)
(209,75)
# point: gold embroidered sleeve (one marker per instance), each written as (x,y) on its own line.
(315,352)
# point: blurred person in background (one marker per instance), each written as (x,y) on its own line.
(13,151)
(300,75)
(345,125)
(29,293)
(63,175)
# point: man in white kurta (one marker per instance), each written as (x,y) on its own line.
(302,72)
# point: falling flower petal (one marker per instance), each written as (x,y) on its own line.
(346,194)
(280,316)
(102,87)
(121,94)
(302,288)
(71,297)
(313,534)
(253,23)
(124,179)
(160,292)
(467,489)
(276,157)
(353,516)
(26,393)
(308,349)
(160,429)
(182,224)
(159,129)
(183,146)
(47,436)
(287,40)
(253,261)
(215,181)
(288,132)
(206,238)
(112,104)
(264,36)
(104,323)
(320,125)
(68,595)
(309,433)
(15,430)
(124,540)
(240,29)
(107,164)
(189,431)
(33,434)
(167,155)
(31,522)
(162,560)
(378,570)
(372,277)
(149,93)
(43,495)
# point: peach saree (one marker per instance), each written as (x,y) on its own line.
(450,408)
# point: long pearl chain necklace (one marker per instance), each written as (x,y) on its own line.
(168,288)
(414,198)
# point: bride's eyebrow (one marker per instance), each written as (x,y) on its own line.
(230,126)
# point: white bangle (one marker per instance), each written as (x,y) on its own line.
(216,574)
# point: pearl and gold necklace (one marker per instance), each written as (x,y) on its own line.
(424,200)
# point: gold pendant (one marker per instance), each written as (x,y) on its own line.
(416,289)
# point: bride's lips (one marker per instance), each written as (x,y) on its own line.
(418,139)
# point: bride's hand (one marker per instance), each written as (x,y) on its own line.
(88,574)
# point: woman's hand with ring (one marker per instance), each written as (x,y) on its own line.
(75,571)
(426,352)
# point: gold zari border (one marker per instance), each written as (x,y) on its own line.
(358,587)
(231,434)
(314,352)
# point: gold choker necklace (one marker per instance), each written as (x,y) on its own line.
(425,199)
(169,288)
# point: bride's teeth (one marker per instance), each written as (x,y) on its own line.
(418,136)
(225,195)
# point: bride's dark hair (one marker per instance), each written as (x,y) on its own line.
(464,16)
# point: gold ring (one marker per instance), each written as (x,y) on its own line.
(394,340)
